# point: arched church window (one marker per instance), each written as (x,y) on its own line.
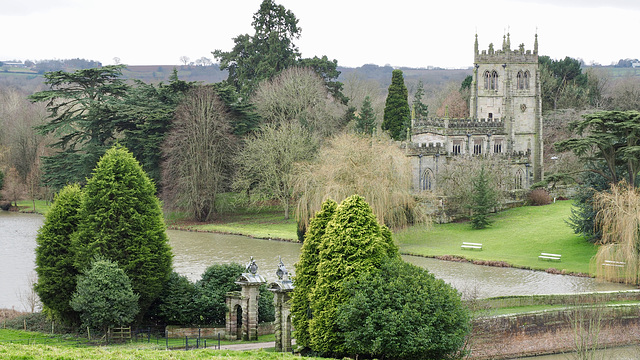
(486,77)
(527,75)
(493,82)
(519,179)
(427,181)
(520,80)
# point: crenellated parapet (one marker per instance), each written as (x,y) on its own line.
(458,126)
(506,55)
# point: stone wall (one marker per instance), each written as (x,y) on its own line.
(539,333)
(212,332)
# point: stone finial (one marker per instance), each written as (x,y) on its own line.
(252,267)
(282,272)
(535,45)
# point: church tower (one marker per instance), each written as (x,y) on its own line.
(506,89)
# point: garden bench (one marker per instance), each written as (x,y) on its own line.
(547,256)
(614,263)
(468,245)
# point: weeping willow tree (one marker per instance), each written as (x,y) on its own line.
(618,257)
(374,168)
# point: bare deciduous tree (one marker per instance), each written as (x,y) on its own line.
(184,60)
(29,298)
(198,153)
(625,94)
(299,94)
(267,162)
(373,168)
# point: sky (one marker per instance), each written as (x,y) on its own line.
(410,33)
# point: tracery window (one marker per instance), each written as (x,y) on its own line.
(497,146)
(519,179)
(426,183)
(477,146)
(490,80)
(523,80)
(457,147)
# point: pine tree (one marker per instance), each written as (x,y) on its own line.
(121,221)
(54,260)
(366,120)
(484,200)
(397,113)
(421,110)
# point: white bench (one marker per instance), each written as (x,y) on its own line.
(547,256)
(468,245)
(614,263)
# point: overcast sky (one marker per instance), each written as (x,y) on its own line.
(355,32)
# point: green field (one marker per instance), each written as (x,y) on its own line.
(516,237)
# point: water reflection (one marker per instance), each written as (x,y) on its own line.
(17,257)
(193,252)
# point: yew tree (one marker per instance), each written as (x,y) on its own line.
(397,114)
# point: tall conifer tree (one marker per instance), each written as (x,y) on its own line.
(397,114)
(121,221)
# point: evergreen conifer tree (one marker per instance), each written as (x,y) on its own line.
(353,243)
(121,221)
(397,114)
(366,120)
(484,200)
(54,259)
(421,110)
(307,272)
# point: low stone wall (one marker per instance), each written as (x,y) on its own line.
(548,332)
(212,332)
(555,299)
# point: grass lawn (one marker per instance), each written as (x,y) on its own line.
(42,207)
(132,351)
(516,237)
(264,224)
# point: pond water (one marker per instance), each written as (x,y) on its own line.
(195,251)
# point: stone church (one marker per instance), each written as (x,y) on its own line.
(505,120)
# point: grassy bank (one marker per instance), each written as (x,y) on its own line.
(517,237)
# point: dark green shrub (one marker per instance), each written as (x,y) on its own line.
(401,311)
(176,304)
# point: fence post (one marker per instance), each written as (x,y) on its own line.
(166,336)
(218,341)
(186,343)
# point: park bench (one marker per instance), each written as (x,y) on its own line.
(471,246)
(614,263)
(549,257)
